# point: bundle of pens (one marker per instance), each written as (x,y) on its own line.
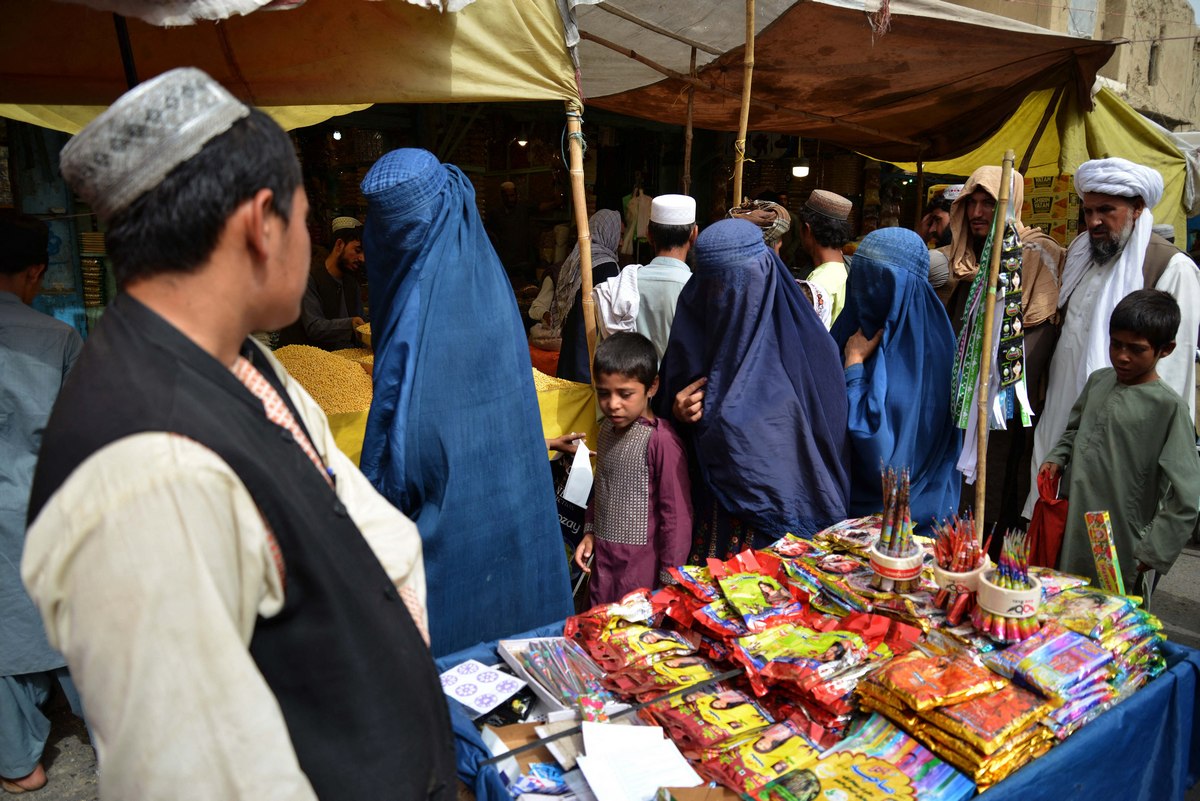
(959,557)
(569,674)
(1008,596)
(896,537)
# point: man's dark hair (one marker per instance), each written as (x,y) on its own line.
(24,241)
(347,235)
(828,232)
(1150,313)
(939,204)
(175,226)
(667,237)
(628,354)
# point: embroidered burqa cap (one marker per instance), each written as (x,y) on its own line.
(772,218)
(830,204)
(149,131)
(673,210)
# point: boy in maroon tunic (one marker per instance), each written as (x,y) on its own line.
(639,522)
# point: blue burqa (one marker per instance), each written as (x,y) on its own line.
(771,445)
(454,438)
(900,397)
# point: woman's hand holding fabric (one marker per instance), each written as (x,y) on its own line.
(859,348)
(689,402)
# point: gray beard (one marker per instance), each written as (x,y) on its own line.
(1106,249)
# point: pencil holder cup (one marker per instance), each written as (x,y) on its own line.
(897,568)
(1008,603)
(959,582)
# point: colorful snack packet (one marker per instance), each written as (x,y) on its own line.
(620,648)
(843,775)
(1087,610)
(636,607)
(788,651)
(933,778)
(1005,661)
(721,620)
(1104,551)
(709,718)
(753,593)
(856,536)
(645,682)
(1054,581)
(1054,669)
(988,721)
(748,764)
(924,682)
(697,580)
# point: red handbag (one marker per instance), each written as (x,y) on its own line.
(1048,524)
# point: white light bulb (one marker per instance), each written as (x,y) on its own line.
(522,142)
(337,136)
(800,171)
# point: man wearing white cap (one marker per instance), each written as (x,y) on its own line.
(672,231)
(1118,254)
(332,308)
(242,613)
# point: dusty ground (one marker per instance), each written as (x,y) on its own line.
(71,763)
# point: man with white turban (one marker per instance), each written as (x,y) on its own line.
(1118,255)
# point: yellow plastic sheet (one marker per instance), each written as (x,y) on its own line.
(348,429)
(566,407)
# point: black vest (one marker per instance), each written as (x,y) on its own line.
(357,686)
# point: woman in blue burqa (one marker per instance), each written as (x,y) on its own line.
(454,437)
(899,354)
(769,448)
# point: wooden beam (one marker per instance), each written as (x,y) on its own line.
(739,144)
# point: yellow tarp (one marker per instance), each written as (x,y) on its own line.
(1111,128)
(348,430)
(72,119)
(566,407)
(63,58)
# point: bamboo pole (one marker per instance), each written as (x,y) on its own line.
(579,201)
(687,131)
(985,359)
(739,144)
(920,192)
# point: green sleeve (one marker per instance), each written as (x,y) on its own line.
(1179,493)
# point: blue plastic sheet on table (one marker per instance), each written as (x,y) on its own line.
(469,748)
(1144,749)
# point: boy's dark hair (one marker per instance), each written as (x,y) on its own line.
(667,237)
(628,354)
(175,226)
(828,232)
(1150,313)
(24,241)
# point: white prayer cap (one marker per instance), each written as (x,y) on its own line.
(340,223)
(673,210)
(149,131)
(1167,232)
(1119,177)
(953,192)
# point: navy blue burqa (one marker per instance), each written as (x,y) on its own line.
(900,397)
(454,437)
(771,446)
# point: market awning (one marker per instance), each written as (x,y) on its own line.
(334,54)
(936,83)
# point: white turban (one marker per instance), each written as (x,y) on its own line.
(1119,177)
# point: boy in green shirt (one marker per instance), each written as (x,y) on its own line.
(1130,449)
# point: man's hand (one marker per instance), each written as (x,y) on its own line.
(1142,567)
(565,443)
(689,402)
(583,553)
(859,348)
(1050,470)
(357,323)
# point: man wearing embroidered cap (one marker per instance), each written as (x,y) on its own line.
(1118,255)
(824,228)
(242,613)
(672,231)
(332,308)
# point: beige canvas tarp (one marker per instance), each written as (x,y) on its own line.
(338,54)
(938,82)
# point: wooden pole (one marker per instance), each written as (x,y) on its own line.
(579,201)
(985,359)
(687,132)
(920,192)
(739,144)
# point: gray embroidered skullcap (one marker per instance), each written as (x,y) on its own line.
(342,223)
(149,131)
(829,204)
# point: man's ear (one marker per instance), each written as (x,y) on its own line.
(1166,350)
(1139,205)
(339,247)
(256,215)
(695,233)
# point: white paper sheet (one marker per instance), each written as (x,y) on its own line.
(579,482)
(630,763)
(479,687)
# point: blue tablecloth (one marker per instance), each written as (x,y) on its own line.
(1145,749)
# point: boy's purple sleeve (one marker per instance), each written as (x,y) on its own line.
(671,498)
(1179,489)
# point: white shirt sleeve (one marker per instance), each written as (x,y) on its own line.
(1182,280)
(150,566)
(541,304)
